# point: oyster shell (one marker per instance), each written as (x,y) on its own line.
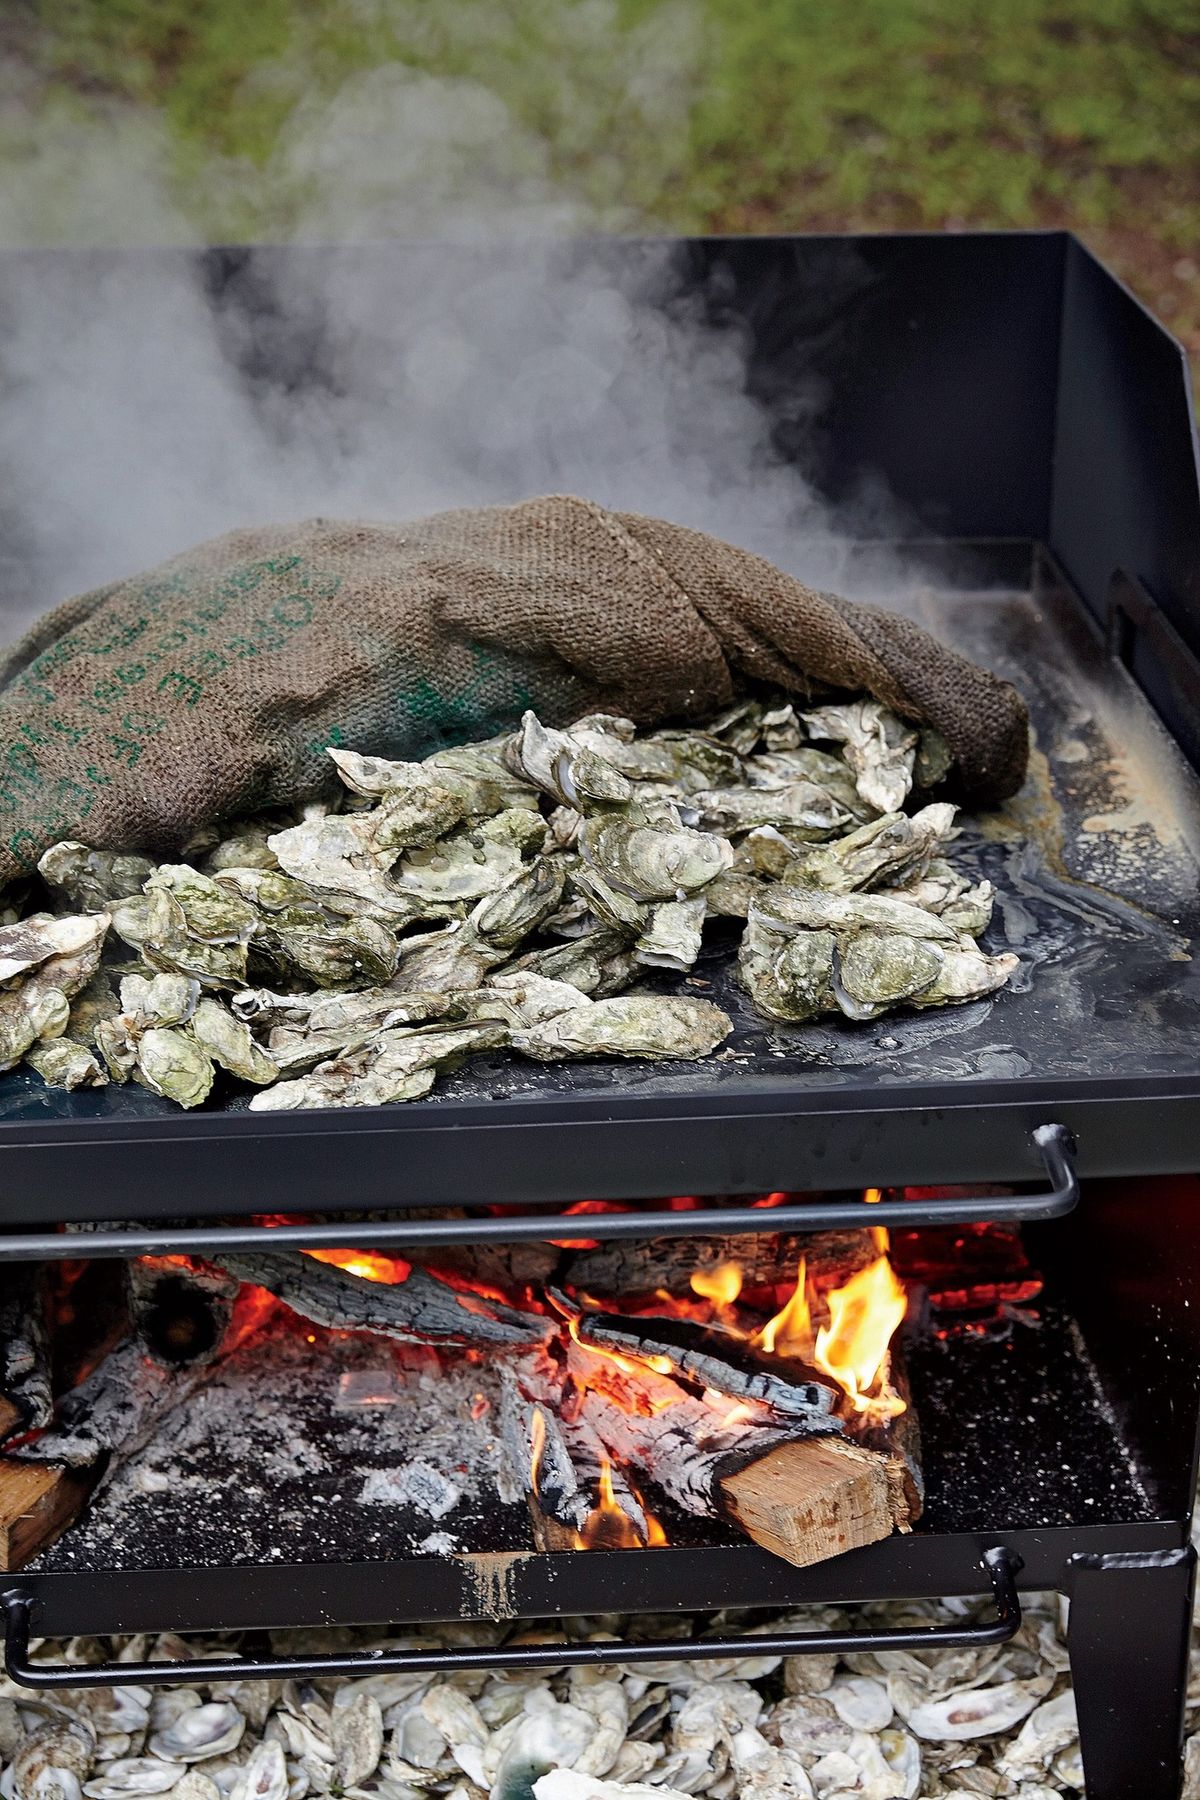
(877,969)
(801,808)
(356,1734)
(228,1042)
(133,1775)
(510,914)
(211,913)
(335,853)
(92,879)
(673,936)
(53,1762)
(653,862)
(173,1065)
(891,845)
(38,938)
(199,1733)
(62,1063)
(787,909)
(968,974)
(350,952)
(391,1067)
(982,1712)
(880,748)
(642,1025)
(39,1007)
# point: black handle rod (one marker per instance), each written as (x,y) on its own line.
(1052,1142)
(998,1564)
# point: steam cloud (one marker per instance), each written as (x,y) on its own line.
(143,410)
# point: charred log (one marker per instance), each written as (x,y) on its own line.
(181,1311)
(639,1269)
(418,1310)
(25,1393)
(577,1498)
(708,1359)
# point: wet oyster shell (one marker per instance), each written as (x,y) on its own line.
(391,1067)
(880,968)
(653,862)
(91,879)
(228,1041)
(673,936)
(38,938)
(173,1065)
(643,1025)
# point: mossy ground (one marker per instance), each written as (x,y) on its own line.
(779,115)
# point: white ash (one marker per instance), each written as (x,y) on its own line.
(415,1484)
(335,1447)
(994,1721)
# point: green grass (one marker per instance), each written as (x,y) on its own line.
(282,115)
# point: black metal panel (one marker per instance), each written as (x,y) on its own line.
(937,356)
(1125,494)
(555,1585)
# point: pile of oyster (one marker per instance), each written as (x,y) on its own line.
(504,895)
(996,1720)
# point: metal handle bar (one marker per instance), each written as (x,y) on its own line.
(1053,1143)
(999,1565)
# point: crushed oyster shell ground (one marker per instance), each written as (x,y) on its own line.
(506,895)
(994,1721)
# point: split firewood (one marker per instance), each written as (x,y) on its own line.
(708,1358)
(25,1398)
(181,1310)
(802,1496)
(638,1269)
(418,1310)
(576,1497)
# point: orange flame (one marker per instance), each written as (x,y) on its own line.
(790,1332)
(608,1526)
(879,1233)
(721,1284)
(863,1317)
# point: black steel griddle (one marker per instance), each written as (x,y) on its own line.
(1034,421)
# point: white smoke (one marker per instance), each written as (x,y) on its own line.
(145,407)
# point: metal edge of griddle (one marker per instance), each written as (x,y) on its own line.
(768,1136)
(517,1584)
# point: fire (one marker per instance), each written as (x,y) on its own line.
(607,1526)
(864,1316)
(879,1233)
(790,1332)
(367,1263)
(721,1284)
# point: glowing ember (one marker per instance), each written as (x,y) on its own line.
(366,1263)
(721,1284)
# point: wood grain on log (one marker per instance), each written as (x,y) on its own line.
(810,1500)
(419,1310)
(38,1501)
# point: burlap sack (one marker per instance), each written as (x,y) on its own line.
(213,684)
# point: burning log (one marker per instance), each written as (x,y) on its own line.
(180,1310)
(25,1396)
(709,1358)
(418,1310)
(803,1496)
(719,1268)
(577,1500)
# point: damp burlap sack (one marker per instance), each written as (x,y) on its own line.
(213,684)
